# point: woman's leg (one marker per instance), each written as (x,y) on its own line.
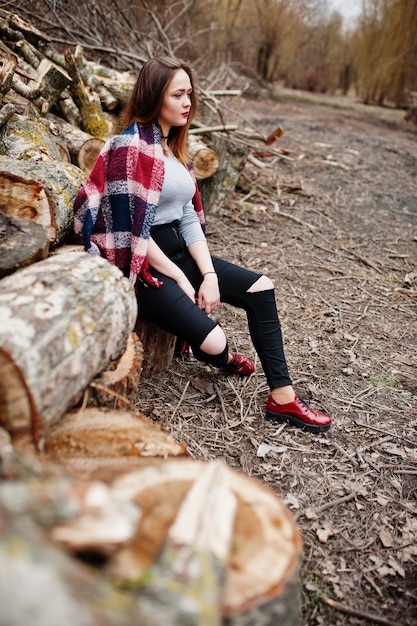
(255,294)
(258,300)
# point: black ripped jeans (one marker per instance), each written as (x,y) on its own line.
(171,309)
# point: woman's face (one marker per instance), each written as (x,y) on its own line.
(176,102)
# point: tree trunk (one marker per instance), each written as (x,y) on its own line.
(63,320)
(42,191)
(40,584)
(217,190)
(185,585)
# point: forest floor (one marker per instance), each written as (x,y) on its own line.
(335,227)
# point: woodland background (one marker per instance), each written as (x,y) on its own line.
(300,43)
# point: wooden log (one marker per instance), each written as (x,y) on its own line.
(32,34)
(41,584)
(92,118)
(98,433)
(52,79)
(25,137)
(42,191)
(69,109)
(185,585)
(83,148)
(118,385)
(158,348)
(107,99)
(63,320)
(261,581)
(6,113)
(9,63)
(22,242)
(205,161)
(217,190)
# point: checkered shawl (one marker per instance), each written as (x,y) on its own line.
(115,208)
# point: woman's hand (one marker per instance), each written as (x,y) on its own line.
(209,294)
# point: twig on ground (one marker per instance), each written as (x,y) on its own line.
(181,399)
(376,619)
(329,505)
(219,395)
(292,217)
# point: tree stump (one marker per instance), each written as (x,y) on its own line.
(63,320)
(158,348)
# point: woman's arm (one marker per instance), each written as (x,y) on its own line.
(208,294)
(159,260)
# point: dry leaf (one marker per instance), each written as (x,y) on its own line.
(291,501)
(264,448)
(323,534)
(396,566)
(386,538)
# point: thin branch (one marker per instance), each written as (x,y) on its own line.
(375,619)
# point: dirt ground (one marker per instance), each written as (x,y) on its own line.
(335,227)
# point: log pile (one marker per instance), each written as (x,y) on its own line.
(85,476)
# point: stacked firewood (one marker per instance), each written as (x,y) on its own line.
(85,476)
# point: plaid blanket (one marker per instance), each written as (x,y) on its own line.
(115,208)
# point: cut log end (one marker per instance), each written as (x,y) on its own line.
(262,567)
(89,152)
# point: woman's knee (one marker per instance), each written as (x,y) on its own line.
(215,342)
(262,284)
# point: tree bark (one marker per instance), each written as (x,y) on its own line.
(22,242)
(158,348)
(40,584)
(53,80)
(83,148)
(92,118)
(63,320)
(42,191)
(27,138)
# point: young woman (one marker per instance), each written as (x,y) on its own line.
(140,208)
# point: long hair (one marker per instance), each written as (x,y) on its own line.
(146,99)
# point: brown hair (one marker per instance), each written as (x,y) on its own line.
(145,101)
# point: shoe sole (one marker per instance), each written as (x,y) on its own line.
(311,428)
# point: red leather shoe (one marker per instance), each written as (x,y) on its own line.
(298,414)
(240,365)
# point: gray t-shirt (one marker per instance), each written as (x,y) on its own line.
(175,201)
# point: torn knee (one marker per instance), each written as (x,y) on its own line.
(262,284)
